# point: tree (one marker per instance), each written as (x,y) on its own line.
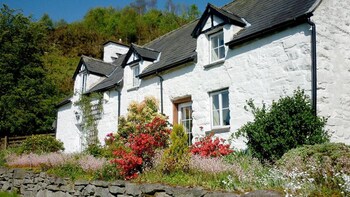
(26,96)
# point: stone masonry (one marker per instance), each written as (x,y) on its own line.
(40,184)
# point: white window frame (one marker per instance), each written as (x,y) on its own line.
(219,93)
(180,121)
(135,79)
(211,48)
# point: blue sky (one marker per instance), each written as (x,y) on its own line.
(73,10)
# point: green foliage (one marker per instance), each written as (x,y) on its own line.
(138,114)
(330,157)
(109,172)
(89,118)
(27,97)
(327,165)
(176,157)
(70,170)
(289,123)
(41,144)
(7,194)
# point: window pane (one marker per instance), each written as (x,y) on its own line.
(225,101)
(215,102)
(226,117)
(221,52)
(221,39)
(216,117)
(214,42)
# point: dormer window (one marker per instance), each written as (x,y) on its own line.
(217,47)
(135,78)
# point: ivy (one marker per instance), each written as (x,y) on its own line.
(91,112)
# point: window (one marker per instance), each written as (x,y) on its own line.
(83,85)
(185,118)
(217,47)
(135,78)
(220,109)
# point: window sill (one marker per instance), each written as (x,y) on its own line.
(216,130)
(133,89)
(214,64)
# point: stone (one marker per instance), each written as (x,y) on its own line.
(152,188)
(41,193)
(100,183)
(116,190)
(101,192)
(133,189)
(118,183)
(81,182)
(19,173)
(17,182)
(220,194)
(6,186)
(60,181)
(42,175)
(263,193)
(28,180)
(161,194)
(89,190)
(38,179)
(79,188)
(53,187)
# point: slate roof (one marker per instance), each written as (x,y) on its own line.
(95,66)
(262,16)
(176,48)
(64,101)
(266,15)
(114,79)
(145,52)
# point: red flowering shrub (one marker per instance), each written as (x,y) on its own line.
(143,145)
(207,147)
(127,162)
(109,139)
(142,132)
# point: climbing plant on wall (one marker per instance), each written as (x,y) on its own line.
(91,108)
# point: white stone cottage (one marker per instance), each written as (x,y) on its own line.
(203,72)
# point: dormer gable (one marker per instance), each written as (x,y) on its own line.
(214,17)
(93,66)
(138,53)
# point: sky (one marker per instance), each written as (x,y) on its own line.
(74,10)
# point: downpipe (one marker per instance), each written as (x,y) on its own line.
(161,92)
(313,67)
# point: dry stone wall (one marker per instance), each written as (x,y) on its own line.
(40,184)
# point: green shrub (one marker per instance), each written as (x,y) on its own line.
(41,144)
(327,165)
(334,156)
(288,123)
(176,156)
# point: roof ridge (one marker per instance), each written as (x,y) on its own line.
(170,32)
(95,59)
(144,47)
(227,11)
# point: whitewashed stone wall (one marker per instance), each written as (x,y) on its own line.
(332,20)
(263,70)
(66,130)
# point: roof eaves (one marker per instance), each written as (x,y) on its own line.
(173,65)
(277,27)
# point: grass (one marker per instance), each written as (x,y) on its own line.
(320,170)
(7,194)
